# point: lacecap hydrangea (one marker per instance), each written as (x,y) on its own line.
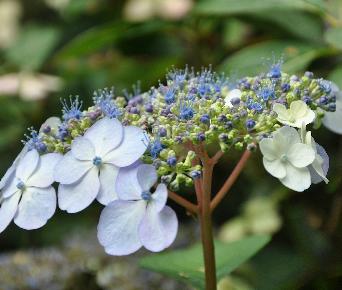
(117,150)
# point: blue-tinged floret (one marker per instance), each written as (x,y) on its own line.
(72,110)
(35,141)
(104,100)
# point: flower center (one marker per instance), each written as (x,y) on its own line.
(283,158)
(97,161)
(21,185)
(146,195)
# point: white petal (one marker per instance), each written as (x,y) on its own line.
(275,167)
(297,179)
(44,174)
(79,195)
(106,134)
(268,149)
(333,120)
(108,176)
(83,149)
(319,168)
(11,171)
(11,187)
(69,169)
(284,138)
(27,165)
(301,155)
(36,207)
(306,119)
(147,176)
(131,148)
(8,209)
(158,230)
(118,227)
(298,108)
(127,185)
(159,197)
(281,111)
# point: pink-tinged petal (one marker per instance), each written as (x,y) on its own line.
(127,185)
(158,230)
(69,169)
(108,176)
(118,227)
(147,176)
(131,148)
(44,174)
(106,134)
(27,165)
(36,207)
(79,195)
(297,179)
(83,149)
(159,197)
(10,173)
(301,155)
(8,209)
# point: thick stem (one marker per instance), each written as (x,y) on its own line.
(206,227)
(231,180)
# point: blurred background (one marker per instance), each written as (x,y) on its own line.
(51,49)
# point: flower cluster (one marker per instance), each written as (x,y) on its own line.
(116,150)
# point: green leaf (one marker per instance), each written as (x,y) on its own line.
(231,7)
(249,60)
(311,26)
(187,265)
(333,36)
(101,36)
(336,76)
(33,47)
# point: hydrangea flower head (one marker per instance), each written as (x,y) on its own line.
(90,168)
(26,192)
(139,218)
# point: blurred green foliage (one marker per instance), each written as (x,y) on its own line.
(87,44)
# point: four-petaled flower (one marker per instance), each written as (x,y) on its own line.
(26,192)
(90,168)
(139,218)
(287,158)
(296,115)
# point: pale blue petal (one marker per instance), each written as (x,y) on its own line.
(127,185)
(79,195)
(130,150)
(8,209)
(11,187)
(83,149)
(69,169)
(106,134)
(118,227)
(44,174)
(147,176)
(108,176)
(27,165)
(159,197)
(36,207)
(158,230)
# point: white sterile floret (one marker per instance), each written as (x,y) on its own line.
(139,218)
(26,192)
(233,94)
(296,115)
(287,158)
(333,120)
(89,170)
(319,168)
